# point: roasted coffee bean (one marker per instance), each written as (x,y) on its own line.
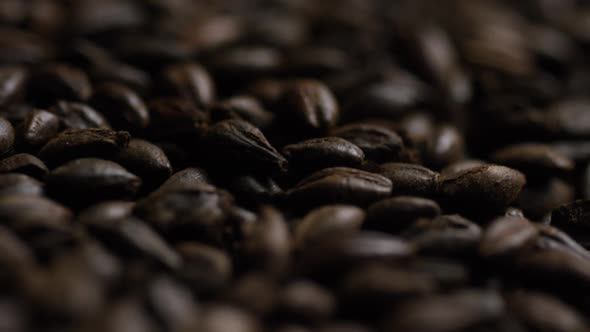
(23,47)
(132,237)
(185,179)
(572,217)
(554,269)
(121,106)
(241,63)
(74,115)
(538,200)
(89,180)
(267,243)
(19,184)
(189,81)
(324,152)
(264,287)
(176,119)
(349,250)
(341,185)
(462,310)
(395,214)
(552,238)
(305,301)
(172,303)
(377,287)
(80,143)
(12,84)
(447,235)
(227,319)
(311,104)
(389,98)
(126,314)
(253,190)
(578,151)
(242,107)
(30,213)
(24,163)
(206,268)
(378,143)
(461,166)
(195,212)
(237,141)
(532,308)
(446,273)
(106,212)
(326,222)
(506,235)
(446,148)
(38,127)
(6,137)
(268,91)
(146,160)
(481,188)
(59,81)
(410,179)
(534,160)
(568,118)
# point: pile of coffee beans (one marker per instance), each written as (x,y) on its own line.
(294,166)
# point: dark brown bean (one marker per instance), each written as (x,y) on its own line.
(395,214)
(227,319)
(24,163)
(506,235)
(6,137)
(311,103)
(378,143)
(389,98)
(328,221)
(457,311)
(377,287)
(88,180)
(19,184)
(237,141)
(242,107)
(447,235)
(447,147)
(121,106)
(267,244)
(78,116)
(334,255)
(38,127)
(59,81)
(93,142)
(534,159)
(532,308)
(132,237)
(410,179)
(189,81)
(305,301)
(29,213)
(185,179)
(324,152)
(175,119)
(341,185)
(193,212)
(538,200)
(12,84)
(481,188)
(206,268)
(109,212)
(146,160)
